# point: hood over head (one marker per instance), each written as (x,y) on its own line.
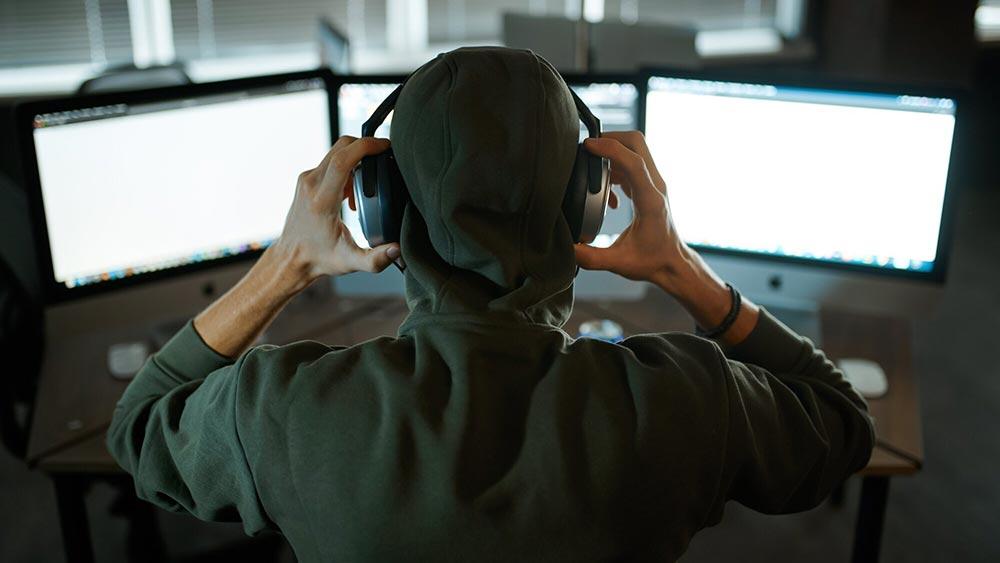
(485,139)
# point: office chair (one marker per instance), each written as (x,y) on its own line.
(130,77)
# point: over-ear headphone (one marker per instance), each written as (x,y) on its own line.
(381,194)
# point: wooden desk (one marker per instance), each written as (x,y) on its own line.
(77,396)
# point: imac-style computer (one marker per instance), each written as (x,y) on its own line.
(167,185)
(615,100)
(805,196)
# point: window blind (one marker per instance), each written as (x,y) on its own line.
(236,28)
(469,20)
(45,32)
(702,14)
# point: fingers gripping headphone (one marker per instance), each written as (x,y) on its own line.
(381,193)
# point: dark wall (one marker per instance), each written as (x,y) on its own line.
(985,125)
(899,40)
(932,38)
(16,243)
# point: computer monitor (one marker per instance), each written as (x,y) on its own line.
(807,195)
(613,99)
(140,186)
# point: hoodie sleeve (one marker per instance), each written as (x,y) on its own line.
(175,431)
(796,427)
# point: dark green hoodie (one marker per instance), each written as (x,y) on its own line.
(482,431)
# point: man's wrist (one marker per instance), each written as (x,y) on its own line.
(706,298)
(281,272)
(234,321)
(686,275)
(695,286)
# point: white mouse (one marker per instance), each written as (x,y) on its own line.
(866,376)
(125,359)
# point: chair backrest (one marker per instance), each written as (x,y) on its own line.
(129,77)
(21,343)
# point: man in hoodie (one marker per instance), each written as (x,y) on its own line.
(483,431)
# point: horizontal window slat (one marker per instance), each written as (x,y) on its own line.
(56,31)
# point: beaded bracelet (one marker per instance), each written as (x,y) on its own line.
(727,322)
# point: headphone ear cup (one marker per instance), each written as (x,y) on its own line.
(575,198)
(381,197)
(367,199)
(596,196)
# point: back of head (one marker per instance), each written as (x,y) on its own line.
(486,139)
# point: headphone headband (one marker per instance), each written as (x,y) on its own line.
(381,191)
(381,112)
(590,121)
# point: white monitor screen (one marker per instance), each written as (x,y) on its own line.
(824,175)
(129,189)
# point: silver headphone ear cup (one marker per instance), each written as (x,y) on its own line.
(369,211)
(380,212)
(574,200)
(596,203)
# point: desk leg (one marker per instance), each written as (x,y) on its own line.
(871,516)
(70,491)
(143,541)
(837,496)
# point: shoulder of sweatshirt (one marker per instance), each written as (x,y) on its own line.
(672,355)
(670,376)
(270,370)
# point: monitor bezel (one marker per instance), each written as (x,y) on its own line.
(339,80)
(938,273)
(582,79)
(55,292)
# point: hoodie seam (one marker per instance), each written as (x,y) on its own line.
(471,319)
(446,286)
(522,228)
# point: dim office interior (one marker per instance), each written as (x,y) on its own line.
(834,161)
